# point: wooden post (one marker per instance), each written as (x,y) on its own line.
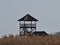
(31,27)
(24,28)
(35,25)
(20,28)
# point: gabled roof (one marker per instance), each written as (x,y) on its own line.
(28,17)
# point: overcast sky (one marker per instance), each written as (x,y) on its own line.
(46,11)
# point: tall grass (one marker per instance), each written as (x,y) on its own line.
(30,40)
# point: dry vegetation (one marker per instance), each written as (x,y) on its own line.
(30,40)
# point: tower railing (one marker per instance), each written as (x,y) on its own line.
(27,26)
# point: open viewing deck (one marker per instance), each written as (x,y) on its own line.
(28,26)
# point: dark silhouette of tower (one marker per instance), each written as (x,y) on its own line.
(27,24)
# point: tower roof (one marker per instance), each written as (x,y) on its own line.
(27,17)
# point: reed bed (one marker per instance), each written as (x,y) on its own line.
(30,40)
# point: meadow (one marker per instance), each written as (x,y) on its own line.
(30,40)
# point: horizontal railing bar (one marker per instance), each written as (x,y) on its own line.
(27,25)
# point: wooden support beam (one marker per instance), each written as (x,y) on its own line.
(35,25)
(31,27)
(19,28)
(24,28)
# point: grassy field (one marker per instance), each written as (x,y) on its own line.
(30,40)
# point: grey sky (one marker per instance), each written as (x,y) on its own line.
(46,11)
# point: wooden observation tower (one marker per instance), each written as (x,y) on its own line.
(27,25)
